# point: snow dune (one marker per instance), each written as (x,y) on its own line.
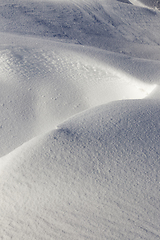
(79,122)
(41,88)
(95,177)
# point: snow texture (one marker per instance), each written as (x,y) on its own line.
(80,119)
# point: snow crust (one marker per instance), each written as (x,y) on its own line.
(80,119)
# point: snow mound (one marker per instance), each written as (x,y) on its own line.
(110,25)
(95,177)
(90,67)
(41,88)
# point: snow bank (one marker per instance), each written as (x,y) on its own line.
(42,88)
(92,69)
(110,25)
(95,177)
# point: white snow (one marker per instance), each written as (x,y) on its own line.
(80,119)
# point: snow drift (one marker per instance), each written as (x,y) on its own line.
(95,177)
(79,122)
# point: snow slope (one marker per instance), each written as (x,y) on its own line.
(95,177)
(79,122)
(41,88)
(147,3)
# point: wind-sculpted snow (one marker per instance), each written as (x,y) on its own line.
(95,177)
(41,88)
(149,3)
(108,24)
(79,119)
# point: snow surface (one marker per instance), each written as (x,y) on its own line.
(80,119)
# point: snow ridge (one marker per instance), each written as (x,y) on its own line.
(80,120)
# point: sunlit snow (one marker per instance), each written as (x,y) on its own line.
(80,119)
